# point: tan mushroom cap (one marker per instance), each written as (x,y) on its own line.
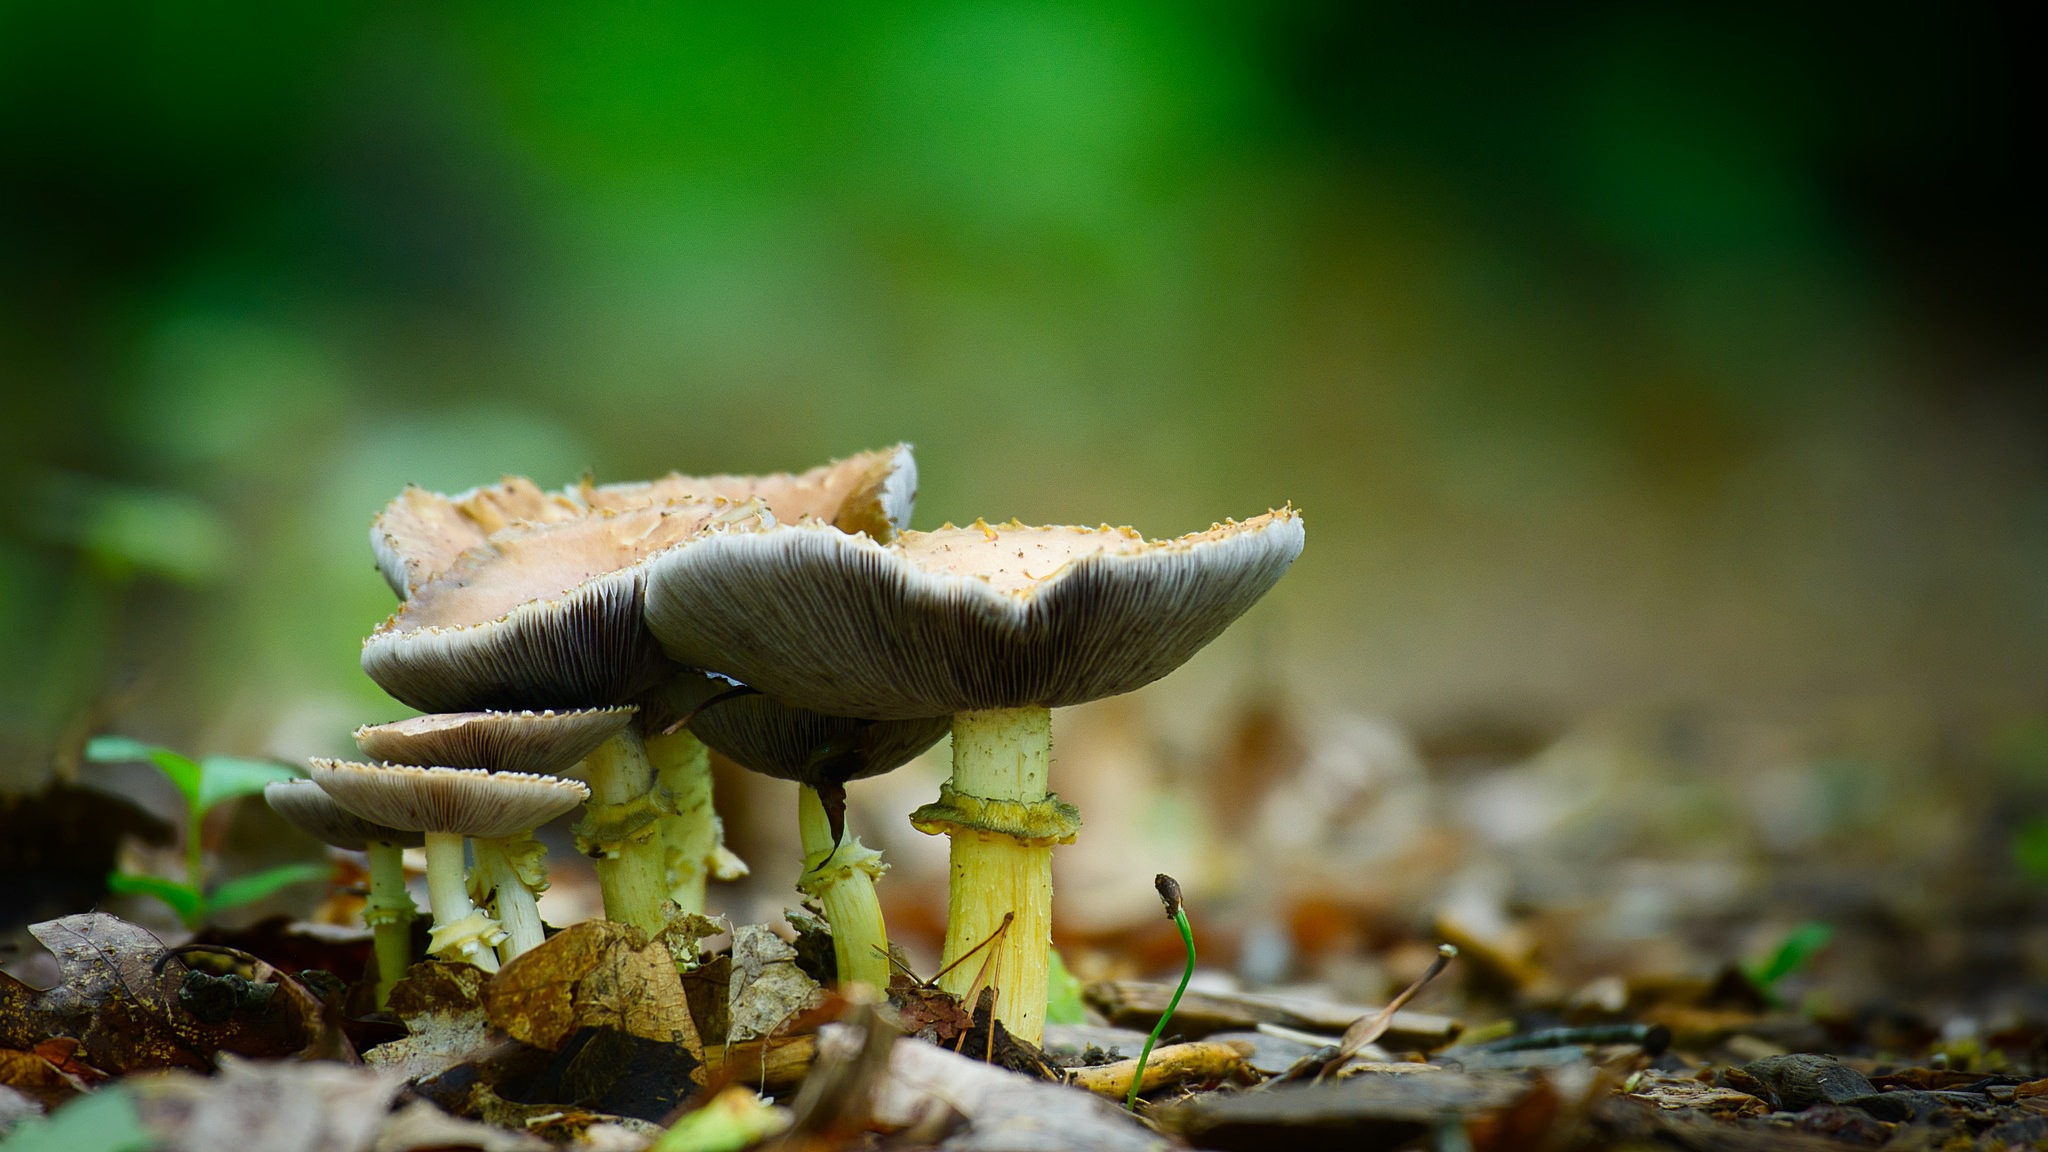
(962,618)
(420,533)
(871,492)
(543,615)
(311,810)
(546,743)
(467,801)
(776,739)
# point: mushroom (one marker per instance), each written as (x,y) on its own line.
(389,911)
(549,615)
(446,805)
(821,753)
(422,535)
(993,626)
(537,743)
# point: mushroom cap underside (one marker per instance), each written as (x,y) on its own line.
(546,743)
(776,739)
(467,801)
(961,618)
(307,807)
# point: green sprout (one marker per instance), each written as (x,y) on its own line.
(1795,952)
(1169,895)
(205,784)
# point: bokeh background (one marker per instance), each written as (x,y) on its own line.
(1661,385)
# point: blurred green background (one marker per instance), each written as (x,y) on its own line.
(1680,359)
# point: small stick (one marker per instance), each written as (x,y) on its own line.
(1201,1060)
(1169,897)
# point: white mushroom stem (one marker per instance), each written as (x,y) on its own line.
(513,891)
(693,837)
(621,832)
(842,877)
(460,931)
(1001,758)
(389,912)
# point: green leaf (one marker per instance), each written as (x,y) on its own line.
(183,898)
(116,749)
(225,777)
(2030,849)
(102,1121)
(1801,945)
(183,772)
(255,886)
(1063,994)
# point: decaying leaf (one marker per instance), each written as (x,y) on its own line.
(597,974)
(37,1078)
(768,989)
(131,1005)
(442,1007)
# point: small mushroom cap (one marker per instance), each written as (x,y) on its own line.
(547,743)
(469,801)
(871,492)
(311,810)
(543,615)
(789,743)
(962,618)
(420,534)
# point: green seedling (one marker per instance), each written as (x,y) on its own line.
(1169,896)
(2030,850)
(1797,950)
(1063,1002)
(205,784)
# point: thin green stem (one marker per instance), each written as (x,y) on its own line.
(1187,936)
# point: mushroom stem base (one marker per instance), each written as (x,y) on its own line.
(620,831)
(693,837)
(518,912)
(460,931)
(389,913)
(1002,755)
(842,877)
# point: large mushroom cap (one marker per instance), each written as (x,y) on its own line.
(776,739)
(311,810)
(467,801)
(542,615)
(547,743)
(871,492)
(420,533)
(962,618)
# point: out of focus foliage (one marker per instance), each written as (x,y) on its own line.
(1675,356)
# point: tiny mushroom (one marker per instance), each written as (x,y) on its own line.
(549,616)
(993,626)
(821,753)
(446,805)
(545,743)
(389,911)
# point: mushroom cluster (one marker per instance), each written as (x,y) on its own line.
(795,624)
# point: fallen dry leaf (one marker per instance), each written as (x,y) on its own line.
(768,988)
(132,1006)
(596,974)
(442,1007)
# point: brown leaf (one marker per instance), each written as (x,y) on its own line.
(597,974)
(131,1006)
(442,1006)
(36,1078)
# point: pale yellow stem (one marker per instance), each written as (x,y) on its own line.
(842,876)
